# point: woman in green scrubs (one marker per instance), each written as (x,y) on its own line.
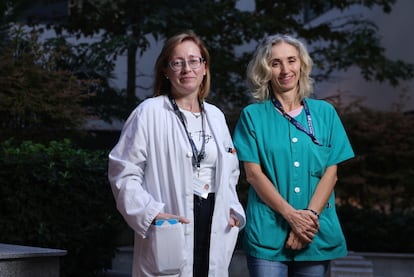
(290,146)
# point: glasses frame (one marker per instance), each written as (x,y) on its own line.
(185,62)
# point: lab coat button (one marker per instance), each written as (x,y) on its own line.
(296,164)
(297,189)
(294,140)
(189,154)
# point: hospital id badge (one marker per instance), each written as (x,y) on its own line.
(200,188)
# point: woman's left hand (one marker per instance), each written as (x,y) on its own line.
(294,242)
(181,219)
(233,221)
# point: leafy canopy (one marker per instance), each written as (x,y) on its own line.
(129,26)
(335,44)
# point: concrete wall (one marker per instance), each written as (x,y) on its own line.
(391,264)
(25,261)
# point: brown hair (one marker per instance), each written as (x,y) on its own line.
(162,85)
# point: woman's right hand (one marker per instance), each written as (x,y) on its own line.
(304,224)
(181,219)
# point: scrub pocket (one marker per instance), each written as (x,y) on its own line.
(167,248)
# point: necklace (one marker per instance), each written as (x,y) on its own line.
(196,115)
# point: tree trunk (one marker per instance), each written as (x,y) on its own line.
(131,71)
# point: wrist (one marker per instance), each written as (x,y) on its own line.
(312,211)
(289,214)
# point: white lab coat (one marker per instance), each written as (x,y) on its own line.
(150,171)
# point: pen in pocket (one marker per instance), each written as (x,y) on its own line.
(231,150)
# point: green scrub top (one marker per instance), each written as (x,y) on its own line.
(294,164)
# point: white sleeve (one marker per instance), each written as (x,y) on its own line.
(126,168)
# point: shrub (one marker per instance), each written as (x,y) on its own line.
(368,230)
(56,196)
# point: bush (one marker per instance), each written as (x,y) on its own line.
(368,230)
(56,196)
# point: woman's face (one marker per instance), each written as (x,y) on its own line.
(185,70)
(285,64)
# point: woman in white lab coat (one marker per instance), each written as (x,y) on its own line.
(174,171)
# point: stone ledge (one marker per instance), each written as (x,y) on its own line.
(10,251)
(27,261)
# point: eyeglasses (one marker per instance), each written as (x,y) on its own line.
(178,64)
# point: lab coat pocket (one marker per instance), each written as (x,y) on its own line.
(167,248)
(230,243)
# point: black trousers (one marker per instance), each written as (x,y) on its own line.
(203,214)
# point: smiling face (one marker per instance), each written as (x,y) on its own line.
(285,64)
(187,80)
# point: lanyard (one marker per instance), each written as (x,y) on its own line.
(197,156)
(311,132)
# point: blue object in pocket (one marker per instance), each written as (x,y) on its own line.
(161,221)
(166,253)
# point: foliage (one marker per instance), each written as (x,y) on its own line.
(336,44)
(130,26)
(126,25)
(381,176)
(375,189)
(4,22)
(57,196)
(34,96)
(368,230)
(93,64)
(11,11)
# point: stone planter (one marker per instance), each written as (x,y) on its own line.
(25,261)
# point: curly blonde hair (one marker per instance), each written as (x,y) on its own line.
(259,72)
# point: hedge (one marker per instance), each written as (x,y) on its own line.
(58,196)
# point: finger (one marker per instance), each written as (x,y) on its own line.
(234,220)
(306,237)
(300,245)
(293,245)
(180,219)
(297,245)
(288,243)
(161,215)
(183,220)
